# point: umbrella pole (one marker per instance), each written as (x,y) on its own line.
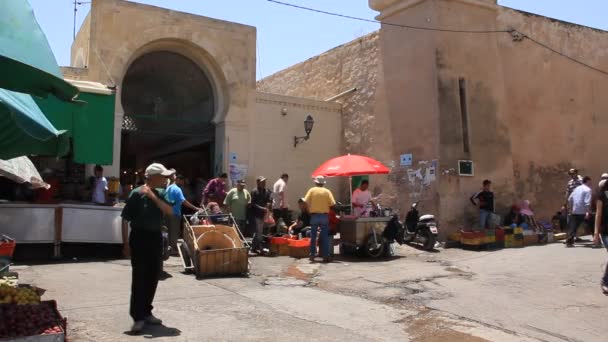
(350,191)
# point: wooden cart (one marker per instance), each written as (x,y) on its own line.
(363,236)
(214,262)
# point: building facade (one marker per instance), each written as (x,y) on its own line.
(522,114)
(187,97)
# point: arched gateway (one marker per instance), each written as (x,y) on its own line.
(169,104)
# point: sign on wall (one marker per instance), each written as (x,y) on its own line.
(406,159)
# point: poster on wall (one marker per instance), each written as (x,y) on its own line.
(237,172)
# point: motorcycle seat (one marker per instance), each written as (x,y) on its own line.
(427,218)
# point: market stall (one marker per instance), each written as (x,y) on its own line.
(359,234)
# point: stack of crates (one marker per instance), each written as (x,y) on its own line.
(500,238)
(489,241)
(530,238)
(518,237)
(513,237)
(472,239)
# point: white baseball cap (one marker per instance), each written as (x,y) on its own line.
(158,169)
(319,180)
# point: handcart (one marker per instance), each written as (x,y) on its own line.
(213,245)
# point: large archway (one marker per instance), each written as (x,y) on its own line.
(169,104)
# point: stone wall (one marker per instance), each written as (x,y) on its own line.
(352,65)
(277,120)
(556,107)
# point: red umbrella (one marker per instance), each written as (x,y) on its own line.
(350,165)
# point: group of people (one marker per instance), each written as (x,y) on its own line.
(161,199)
(589,206)
(584,206)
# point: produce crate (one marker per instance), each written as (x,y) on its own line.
(531,240)
(7,247)
(490,237)
(299,248)
(58,335)
(500,235)
(230,259)
(472,238)
(455,236)
(518,230)
(560,236)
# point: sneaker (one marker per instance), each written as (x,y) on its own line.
(605,290)
(138,327)
(153,320)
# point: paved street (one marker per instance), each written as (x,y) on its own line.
(544,293)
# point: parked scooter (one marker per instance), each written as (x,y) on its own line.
(419,230)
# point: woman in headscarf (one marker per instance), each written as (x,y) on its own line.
(514,216)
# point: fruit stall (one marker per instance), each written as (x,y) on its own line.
(24,315)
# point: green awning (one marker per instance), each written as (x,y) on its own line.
(90,125)
(27,64)
(24,130)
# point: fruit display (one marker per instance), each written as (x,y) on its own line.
(9,280)
(29,320)
(19,295)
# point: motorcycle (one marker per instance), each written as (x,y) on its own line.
(419,230)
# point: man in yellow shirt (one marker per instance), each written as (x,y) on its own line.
(319,200)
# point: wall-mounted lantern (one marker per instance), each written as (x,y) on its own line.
(308,125)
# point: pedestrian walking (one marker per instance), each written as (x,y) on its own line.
(175,196)
(280,207)
(261,202)
(144,211)
(579,203)
(319,201)
(601,228)
(574,182)
(237,200)
(484,200)
(215,191)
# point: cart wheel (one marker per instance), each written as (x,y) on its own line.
(373,249)
(184,252)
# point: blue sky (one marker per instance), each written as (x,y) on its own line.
(287,36)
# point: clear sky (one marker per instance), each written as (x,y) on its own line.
(287,36)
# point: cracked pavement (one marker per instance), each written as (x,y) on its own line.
(543,293)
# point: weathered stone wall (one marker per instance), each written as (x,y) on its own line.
(352,65)
(556,107)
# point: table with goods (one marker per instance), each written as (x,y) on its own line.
(24,316)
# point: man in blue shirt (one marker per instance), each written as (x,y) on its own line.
(175,196)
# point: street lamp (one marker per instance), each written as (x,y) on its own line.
(308,124)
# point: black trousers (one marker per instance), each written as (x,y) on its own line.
(573,224)
(146,264)
(284,214)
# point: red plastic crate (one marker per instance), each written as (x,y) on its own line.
(7,248)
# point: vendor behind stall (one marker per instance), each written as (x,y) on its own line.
(361,197)
(47,196)
(100,189)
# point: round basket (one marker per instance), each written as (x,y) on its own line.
(214,240)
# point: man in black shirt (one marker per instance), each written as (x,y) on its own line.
(144,211)
(601,227)
(485,201)
(302,225)
(261,202)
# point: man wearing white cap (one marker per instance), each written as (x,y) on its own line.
(319,200)
(603,180)
(144,211)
